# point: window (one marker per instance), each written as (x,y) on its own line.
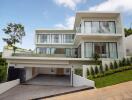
(95,27)
(105,50)
(87,27)
(68,38)
(88,50)
(107,27)
(99,27)
(113,50)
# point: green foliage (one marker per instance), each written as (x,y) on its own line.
(128,31)
(14,33)
(106,67)
(96,70)
(111,65)
(128,62)
(88,72)
(3,70)
(131,59)
(115,65)
(96,57)
(92,71)
(101,68)
(124,61)
(78,71)
(120,63)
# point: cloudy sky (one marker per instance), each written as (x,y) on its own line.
(36,14)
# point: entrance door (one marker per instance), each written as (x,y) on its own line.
(60,71)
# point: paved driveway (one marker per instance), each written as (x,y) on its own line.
(26,92)
(121,91)
(50,80)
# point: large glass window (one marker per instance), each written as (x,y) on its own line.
(95,27)
(113,50)
(87,27)
(107,27)
(68,38)
(100,27)
(105,50)
(88,50)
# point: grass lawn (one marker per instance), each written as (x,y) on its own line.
(113,79)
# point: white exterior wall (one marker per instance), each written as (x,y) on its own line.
(28,73)
(81,81)
(8,85)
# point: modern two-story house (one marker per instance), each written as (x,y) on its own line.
(59,51)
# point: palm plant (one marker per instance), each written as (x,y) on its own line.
(14,33)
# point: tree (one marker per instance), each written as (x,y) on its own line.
(128,31)
(124,61)
(111,66)
(14,33)
(88,73)
(96,57)
(115,65)
(120,63)
(106,67)
(92,71)
(128,62)
(101,69)
(96,70)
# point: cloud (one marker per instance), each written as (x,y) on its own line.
(69,3)
(113,5)
(69,22)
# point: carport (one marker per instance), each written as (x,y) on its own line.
(55,80)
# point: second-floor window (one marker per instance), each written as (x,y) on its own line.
(99,27)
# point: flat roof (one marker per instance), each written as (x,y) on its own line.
(89,14)
(55,30)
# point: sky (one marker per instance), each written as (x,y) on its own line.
(44,14)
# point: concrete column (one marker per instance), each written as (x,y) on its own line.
(72,72)
(82,50)
(85,71)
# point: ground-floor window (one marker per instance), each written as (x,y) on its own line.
(104,49)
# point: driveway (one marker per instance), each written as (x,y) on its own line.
(122,91)
(50,80)
(26,92)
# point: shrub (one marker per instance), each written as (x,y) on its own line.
(106,67)
(101,68)
(115,65)
(96,70)
(124,61)
(78,71)
(96,57)
(128,62)
(111,66)
(88,73)
(120,63)
(131,59)
(92,71)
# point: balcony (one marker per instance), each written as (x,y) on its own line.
(41,55)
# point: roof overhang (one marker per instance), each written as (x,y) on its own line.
(87,14)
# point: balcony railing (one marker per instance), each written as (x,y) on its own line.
(41,55)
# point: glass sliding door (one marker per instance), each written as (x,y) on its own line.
(95,27)
(101,49)
(113,50)
(87,27)
(88,50)
(104,49)
(107,27)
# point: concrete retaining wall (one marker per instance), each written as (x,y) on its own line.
(81,81)
(8,85)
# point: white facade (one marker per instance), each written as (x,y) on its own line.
(93,32)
